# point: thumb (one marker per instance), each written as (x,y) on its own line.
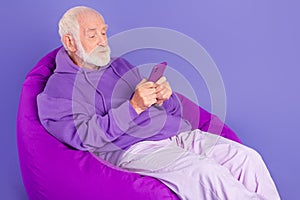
(140,83)
(161,80)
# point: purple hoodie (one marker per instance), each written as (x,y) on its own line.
(90,109)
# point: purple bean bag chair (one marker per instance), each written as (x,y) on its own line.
(54,171)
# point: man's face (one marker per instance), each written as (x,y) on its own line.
(92,46)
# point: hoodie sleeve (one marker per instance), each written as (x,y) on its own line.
(173,105)
(70,122)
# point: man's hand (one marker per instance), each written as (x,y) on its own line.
(144,96)
(163,90)
(148,93)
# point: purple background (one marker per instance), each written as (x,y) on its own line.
(255,45)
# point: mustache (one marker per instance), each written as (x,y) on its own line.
(101,49)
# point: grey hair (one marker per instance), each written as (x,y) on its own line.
(68,24)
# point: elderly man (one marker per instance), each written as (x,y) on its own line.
(102,105)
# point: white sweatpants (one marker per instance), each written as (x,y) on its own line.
(198,165)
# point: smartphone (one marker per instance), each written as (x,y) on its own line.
(157,72)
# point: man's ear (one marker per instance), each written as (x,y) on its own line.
(69,42)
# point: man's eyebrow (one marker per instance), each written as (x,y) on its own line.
(94,29)
(91,29)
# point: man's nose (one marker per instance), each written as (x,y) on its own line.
(102,40)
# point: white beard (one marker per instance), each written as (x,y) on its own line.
(100,56)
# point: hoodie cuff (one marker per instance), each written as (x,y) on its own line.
(132,112)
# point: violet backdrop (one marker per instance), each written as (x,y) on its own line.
(255,44)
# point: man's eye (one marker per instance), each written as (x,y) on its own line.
(92,36)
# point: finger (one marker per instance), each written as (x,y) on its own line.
(160,93)
(161,80)
(150,96)
(145,91)
(164,94)
(141,82)
(163,85)
(148,85)
(145,99)
(163,89)
(150,102)
(159,102)
(160,88)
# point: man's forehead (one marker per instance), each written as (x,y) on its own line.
(90,24)
(90,18)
